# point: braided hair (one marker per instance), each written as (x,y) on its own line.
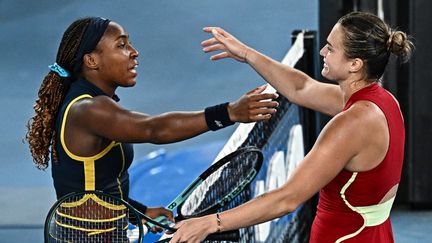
(41,127)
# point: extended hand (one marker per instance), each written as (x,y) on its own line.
(194,230)
(224,41)
(253,106)
(156,212)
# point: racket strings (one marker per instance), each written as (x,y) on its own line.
(222,185)
(91,220)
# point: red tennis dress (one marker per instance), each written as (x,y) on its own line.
(349,208)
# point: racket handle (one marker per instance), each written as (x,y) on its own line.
(232,235)
(159,219)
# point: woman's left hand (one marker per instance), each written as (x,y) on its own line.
(194,230)
(253,106)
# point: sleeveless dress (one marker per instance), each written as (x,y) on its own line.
(105,171)
(349,208)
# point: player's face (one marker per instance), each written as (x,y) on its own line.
(336,65)
(117,60)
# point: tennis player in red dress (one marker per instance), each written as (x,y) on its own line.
(355,206)
(356,161)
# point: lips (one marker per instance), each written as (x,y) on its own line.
(134,66)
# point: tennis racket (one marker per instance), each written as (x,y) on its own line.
(94,216)
(229,176)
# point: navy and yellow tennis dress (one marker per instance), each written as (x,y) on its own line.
(105,171)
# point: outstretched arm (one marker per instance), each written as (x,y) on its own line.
(103,117)
(339,143)
(297,86)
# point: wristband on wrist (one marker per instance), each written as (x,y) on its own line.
(217,116)
(137,205)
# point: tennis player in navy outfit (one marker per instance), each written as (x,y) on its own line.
(88,135)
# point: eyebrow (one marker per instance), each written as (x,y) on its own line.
(328,43)
(125,36)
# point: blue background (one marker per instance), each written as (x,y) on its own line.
(174,74)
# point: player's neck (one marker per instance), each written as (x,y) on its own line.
(349,87)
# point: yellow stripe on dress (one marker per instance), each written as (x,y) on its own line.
(121,171)
(96,199)
(342,192)
(376,214)
(90,220)
(372,215)
(90,231)
(89,162)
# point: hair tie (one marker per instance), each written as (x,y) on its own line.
(59,70)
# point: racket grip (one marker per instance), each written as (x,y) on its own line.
(159,219)
(232,235)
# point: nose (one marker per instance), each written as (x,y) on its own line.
(323,52)
(134,52)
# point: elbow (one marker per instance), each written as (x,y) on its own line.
(289,205)
(156,133)
(150,135)
(157,137)
(285,203)
(161,136)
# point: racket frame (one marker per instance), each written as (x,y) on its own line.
(181,198)
(139,216)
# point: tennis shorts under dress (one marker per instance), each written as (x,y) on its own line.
(105,171)
(349,208)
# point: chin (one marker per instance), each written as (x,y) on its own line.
(126,84)
(131,84)
(324,73)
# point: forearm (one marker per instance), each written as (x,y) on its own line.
(266,207)
(176,126)
(286,80)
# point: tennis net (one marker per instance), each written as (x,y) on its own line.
(284,139)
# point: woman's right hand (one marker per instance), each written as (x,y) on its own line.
(224,41)
(253,106)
